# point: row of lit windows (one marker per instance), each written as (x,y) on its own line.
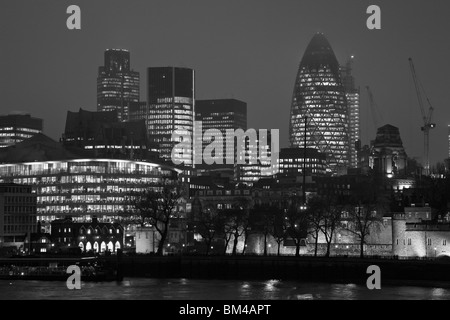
(429,242)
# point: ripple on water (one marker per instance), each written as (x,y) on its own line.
(190,289)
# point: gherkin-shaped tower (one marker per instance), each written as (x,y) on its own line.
(319,102)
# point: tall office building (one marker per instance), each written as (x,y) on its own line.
(352,94)
(221,114)
(256,165)
(117,84)
(319,105)
(169,109)
(15,128)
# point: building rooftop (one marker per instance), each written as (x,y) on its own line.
(37,148)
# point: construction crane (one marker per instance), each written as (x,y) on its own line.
(374,108)
(426,117)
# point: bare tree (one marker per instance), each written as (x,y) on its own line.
(208,225)
(279,228)
(314,212)
(263,222)
(157,207)
(364,211)
(325,216)
(297,222)
(225,228)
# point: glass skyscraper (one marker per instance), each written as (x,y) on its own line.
(352,94)
(221,114)
(117,84)
(169,109)
(319,102)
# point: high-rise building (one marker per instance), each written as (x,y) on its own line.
(222,114)
(117,84)
(319,105)
(15,128)
(169,109)
(352,94)
(258,158)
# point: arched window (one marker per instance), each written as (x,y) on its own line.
(96,247)
(117,245)
(81,245)
(88,246)
(110,246)
(103,247)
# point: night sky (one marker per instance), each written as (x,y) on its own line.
(244,49)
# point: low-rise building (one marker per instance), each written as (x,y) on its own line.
(416,234)
(95,236)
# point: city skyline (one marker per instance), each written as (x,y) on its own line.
(256,65)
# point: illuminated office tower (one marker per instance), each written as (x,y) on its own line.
(15,128)
(319,105)
(255,166)
(352,95)
(221,114)
(169,109)
(117,84)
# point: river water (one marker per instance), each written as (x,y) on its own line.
(187,289)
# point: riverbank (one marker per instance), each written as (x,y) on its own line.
(333,270)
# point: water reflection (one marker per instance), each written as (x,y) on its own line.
(190,289)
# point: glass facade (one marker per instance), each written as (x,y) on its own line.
(84,188)
(117,85)
(16,128)
(169,109)
(222,115)
(257,155)
(320,97)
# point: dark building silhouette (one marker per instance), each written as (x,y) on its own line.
(169,108)
(15,128)
(291,162)
(117,84)
(101,134)
(320,96)
(388,157)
